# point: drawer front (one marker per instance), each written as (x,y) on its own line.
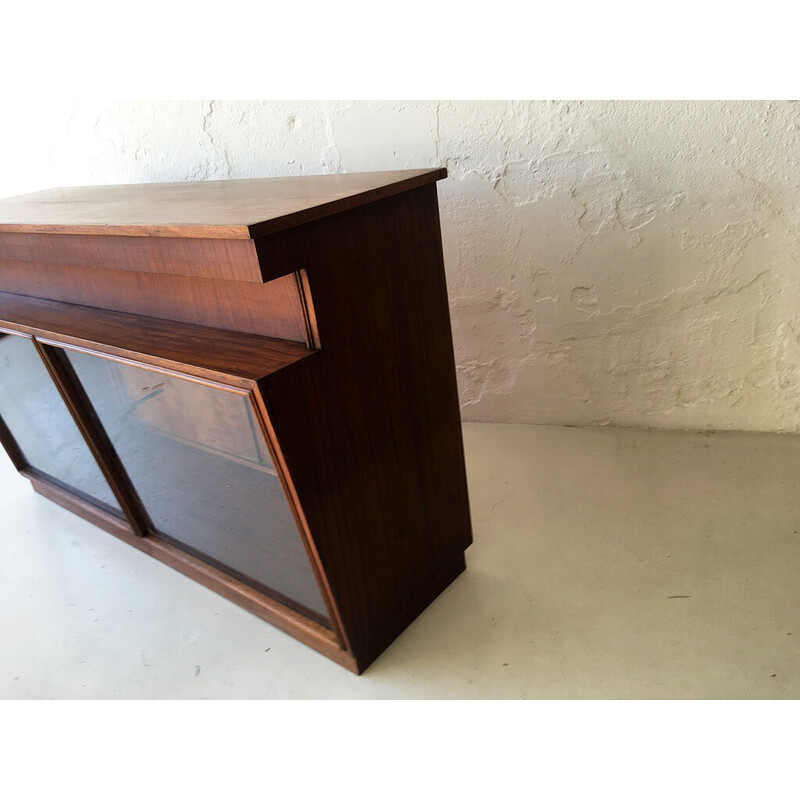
(279,308)
(217,259)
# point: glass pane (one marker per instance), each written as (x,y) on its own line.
(40,422)
(196,456)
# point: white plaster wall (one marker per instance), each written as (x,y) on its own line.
(609,263)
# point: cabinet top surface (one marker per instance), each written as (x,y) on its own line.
(237,209)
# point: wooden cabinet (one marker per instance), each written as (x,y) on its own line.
(252,381)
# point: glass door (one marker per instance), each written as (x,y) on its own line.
(42,428)
(197,457)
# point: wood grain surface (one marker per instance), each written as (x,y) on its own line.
(191,349)
(273,309)
(239,209)
(370,427)
(217,259)
(357,399)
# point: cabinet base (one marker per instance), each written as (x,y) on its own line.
(286,619)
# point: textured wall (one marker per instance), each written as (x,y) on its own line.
(608,263)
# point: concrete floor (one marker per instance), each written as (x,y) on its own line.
(606,564)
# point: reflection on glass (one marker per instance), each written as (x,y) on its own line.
(196,456)
(34,412)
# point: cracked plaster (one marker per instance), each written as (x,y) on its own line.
(609,263)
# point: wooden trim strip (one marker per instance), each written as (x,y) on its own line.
(6,437)
(191,349)
(77,505)
(262,414)
(309,315)
(12,447)
(221,381)
(79,405)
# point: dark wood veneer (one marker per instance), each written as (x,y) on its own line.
(376,447)
(11,447)
(323,300)
(268,309)
(218,259)
(81,409)
(243,209)
(196,349)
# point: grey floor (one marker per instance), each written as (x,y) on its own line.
(606,564)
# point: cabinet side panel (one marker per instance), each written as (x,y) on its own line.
(370,428)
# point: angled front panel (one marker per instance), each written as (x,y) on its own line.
(196,456)
(42,427)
